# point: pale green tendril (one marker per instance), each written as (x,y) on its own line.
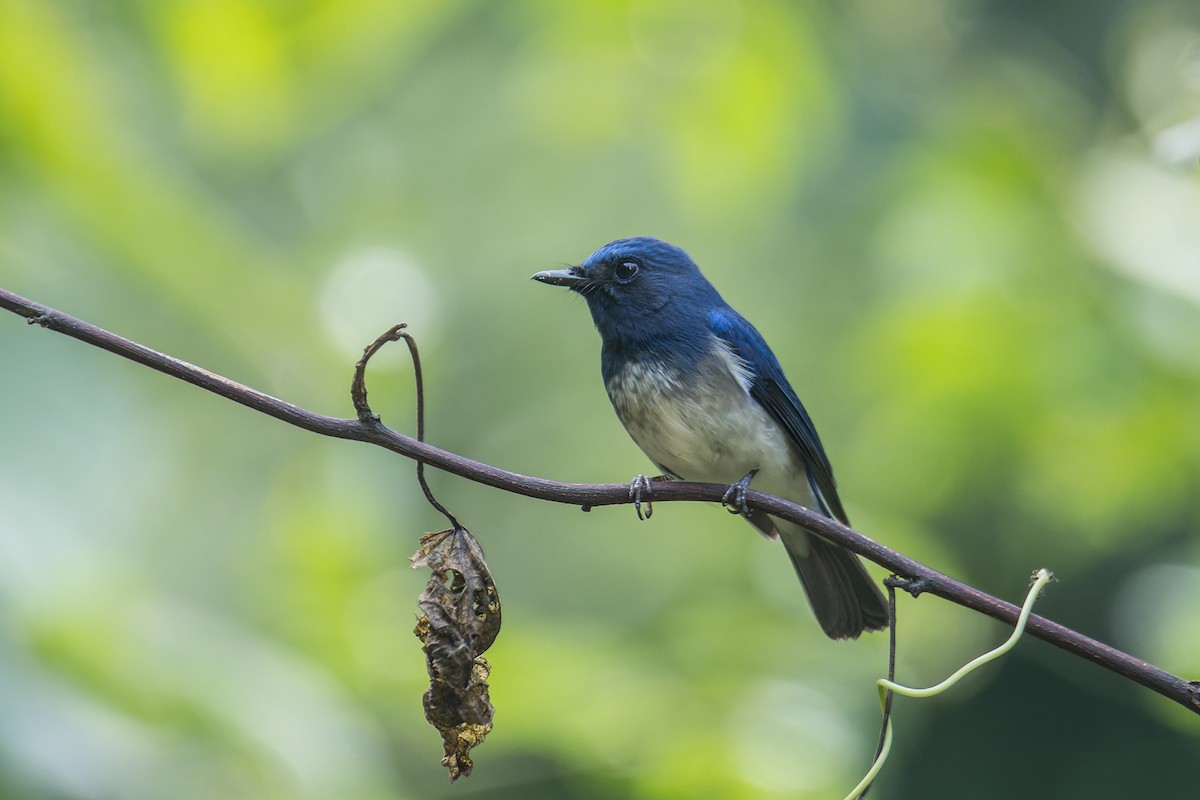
(1040,579)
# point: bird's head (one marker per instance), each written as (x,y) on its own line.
(638,285)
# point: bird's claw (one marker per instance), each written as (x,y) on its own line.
(638,486)
(734,499)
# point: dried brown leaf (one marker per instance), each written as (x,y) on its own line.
(460,620)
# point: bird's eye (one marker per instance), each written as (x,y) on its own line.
(625,271)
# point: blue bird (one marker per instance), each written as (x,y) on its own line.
(703,396)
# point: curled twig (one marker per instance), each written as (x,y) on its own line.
(358,396)
(358,386)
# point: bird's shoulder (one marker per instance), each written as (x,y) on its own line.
(736,331)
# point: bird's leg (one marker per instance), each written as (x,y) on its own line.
(640,490)
(735,496)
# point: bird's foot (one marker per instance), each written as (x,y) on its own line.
(734,500)
(640,490)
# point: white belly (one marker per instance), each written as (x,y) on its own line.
(715,435)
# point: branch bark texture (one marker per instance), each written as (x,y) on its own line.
(370,430)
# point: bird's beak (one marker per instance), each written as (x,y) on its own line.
(561,277)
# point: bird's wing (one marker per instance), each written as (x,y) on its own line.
(771,389)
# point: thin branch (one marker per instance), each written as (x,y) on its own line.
(372,431)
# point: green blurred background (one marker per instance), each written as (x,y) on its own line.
(970,229)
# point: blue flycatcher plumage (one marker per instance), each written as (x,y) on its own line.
(703,396)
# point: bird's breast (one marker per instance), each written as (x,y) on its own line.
(701,423)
